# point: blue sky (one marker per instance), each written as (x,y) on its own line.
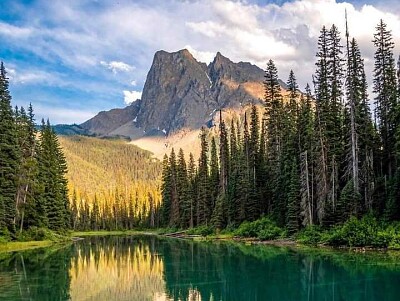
(74,58)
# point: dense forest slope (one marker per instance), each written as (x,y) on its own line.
(111,173)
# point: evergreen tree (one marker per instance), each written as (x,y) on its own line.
(233,179)
(306,150)
(9,157)
(330,141)
(214,174)
(183,190)
(203,210)
(52,202)
(253,207)
(385,88)
(166,191)
(192,189)
(386,113)
(174,219)
(223,156)
(274,131)
(292,219)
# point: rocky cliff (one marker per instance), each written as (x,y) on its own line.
(182,93)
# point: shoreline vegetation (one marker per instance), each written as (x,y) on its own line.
(358,235)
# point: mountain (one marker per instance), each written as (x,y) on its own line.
(70,130)
(181,93)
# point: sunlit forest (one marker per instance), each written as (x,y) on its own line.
(112,184)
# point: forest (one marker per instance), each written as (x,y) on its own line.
(312,161)
(317,158)
(113,185)
(33,187)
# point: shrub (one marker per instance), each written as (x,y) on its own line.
(5,235)
(263,229)
(201,230)
(38,234)
(163,231)
(311,235)
(359,233)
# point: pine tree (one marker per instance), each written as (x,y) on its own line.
(204,198)
(386,113)
(306,150)
(292,218)
(223,156)
(166,191)
(253,207)
(183,189)
(214,174)
(52,203)
(192,189)
(386,93)
(329,109)
(232,195)
(9,157)
(274,131)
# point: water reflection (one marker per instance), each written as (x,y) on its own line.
(117,269)
(35,275)
(150,268)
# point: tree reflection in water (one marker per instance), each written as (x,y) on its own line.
(152,268)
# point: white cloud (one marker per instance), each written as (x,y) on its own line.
(19,76)
(131,96)
(201,56)
(59,115)
(133,30)
(115,66)
(14,31)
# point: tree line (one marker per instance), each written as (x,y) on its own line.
(312,158)
(113,185)
(118,212)
(33,187)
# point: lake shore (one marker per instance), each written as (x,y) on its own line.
(282,242)
(15,246)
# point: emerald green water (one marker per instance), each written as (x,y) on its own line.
(151,268)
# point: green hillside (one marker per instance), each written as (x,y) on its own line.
(118,175)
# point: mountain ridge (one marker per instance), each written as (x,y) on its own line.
(182,93)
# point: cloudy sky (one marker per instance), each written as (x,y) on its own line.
(74,58)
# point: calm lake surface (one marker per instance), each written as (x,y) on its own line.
(151,268)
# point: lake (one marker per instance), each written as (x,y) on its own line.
(153,268)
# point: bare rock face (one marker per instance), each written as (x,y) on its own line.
(106,122)
(182,93)
(176,93)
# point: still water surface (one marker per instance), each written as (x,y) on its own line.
(151,268)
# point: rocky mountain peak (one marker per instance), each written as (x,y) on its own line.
(182,93)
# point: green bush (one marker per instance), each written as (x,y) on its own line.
(5,235)
(163,231)
(38,234)
(311,235)
(270,233)
(201,230)
(359,233)
(263,229)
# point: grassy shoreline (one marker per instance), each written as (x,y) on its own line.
(279,241)
(15,246)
